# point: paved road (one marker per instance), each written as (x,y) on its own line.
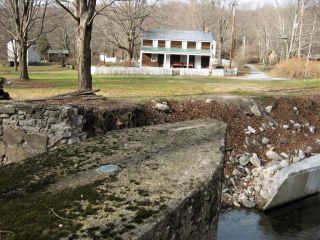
(256,74)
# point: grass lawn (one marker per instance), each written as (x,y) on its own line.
(51,80)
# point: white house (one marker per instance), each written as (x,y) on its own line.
(33,56)
(177,49)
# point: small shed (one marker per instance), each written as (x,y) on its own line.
(273,58)
(57,55)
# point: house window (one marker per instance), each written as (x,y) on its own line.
(154,57)
(183,58)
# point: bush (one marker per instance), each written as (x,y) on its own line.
(294,68)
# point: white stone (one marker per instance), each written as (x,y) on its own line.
(296,159)
(301,154)
(268,109)
(162,107)
(248,204)
(272,155)
(265,140)
(255,110)
(297,125)
(244,159)
(255,160)
(312,129)
(284,155)
(235,172)
(256,171)
(285,126)
(209,100)
(251,129)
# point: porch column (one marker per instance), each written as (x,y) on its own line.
(165,60)
(141,58)
(187,61)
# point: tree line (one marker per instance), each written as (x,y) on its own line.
(243,31)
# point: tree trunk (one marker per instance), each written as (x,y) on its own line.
(219,53)
(23,63)
(84,31)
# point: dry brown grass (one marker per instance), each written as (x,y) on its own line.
(294,68)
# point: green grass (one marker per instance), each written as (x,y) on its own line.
(51,80)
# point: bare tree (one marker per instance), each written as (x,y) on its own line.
(224,17)
(25,23)
(124,22)
(83,12)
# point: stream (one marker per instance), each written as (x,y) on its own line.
(299,220)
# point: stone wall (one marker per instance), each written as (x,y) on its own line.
(27,130)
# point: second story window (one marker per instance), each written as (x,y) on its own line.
(206,45)
(192,45)
(147,43)
(161,44)
(176,44)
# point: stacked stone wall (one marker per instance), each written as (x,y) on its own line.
(26,130)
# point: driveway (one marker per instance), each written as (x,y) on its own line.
(256,74)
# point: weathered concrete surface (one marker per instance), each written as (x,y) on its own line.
(168,186)
(293,182)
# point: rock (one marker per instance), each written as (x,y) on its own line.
(284,140)
(248,204)
(73,140)
(255,160)
(9,109)
(37,142)
(256,142)
(295,109)
(297,125)
(256,171)
(272,155)
(235,172)
(251,129)
(312,129)
(317,141)
(236,204)
(261,129)
(244,159)
(285,127)
(162,107)
(284,155)
(301,154)
(268,109)
(265,140)
(265,126)
(17,153)
(296,159)
(209,100)
(292,122)
(284,163)
(309,150)
(255,110)
(13,135)
(271,124)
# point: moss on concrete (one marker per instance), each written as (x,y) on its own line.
(60,194)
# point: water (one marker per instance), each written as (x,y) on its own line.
(297,221)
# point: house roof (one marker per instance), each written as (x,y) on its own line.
(203,52)
(178,35)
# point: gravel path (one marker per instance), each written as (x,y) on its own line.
(256,74)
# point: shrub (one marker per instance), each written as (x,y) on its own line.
(294,68)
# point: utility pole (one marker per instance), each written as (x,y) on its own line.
(232,31)
(301,23)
